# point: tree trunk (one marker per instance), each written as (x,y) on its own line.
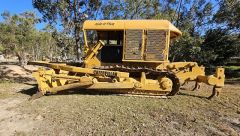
(77,31)
(22,58)
(78,46)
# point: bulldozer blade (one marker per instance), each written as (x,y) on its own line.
(70,86)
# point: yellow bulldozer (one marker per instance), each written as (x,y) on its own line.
(129,57)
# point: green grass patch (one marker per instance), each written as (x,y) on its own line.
(234,79)
(232,67)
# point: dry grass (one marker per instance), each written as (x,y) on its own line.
(189,113)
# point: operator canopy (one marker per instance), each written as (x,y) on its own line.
(132,24)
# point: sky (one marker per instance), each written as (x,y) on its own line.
(19,6)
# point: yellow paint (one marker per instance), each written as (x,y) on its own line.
(132,24)
(50,81)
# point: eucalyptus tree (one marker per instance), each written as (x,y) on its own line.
(18,34)
(69,15)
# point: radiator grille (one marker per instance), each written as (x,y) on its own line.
(156,41)
(133,44)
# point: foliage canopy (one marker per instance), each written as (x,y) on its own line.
(211,29)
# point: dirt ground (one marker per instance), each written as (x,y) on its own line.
(188,113)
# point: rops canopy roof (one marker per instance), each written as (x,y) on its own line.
(132,24)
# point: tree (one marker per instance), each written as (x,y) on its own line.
(229,14)
(130,9)
(197,19)
(192,18)
(69,14)
(219,46)
(18,34)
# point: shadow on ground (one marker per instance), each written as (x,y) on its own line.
(9,63)
(193,95)
(34,89)
(31,91)
(13,73)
